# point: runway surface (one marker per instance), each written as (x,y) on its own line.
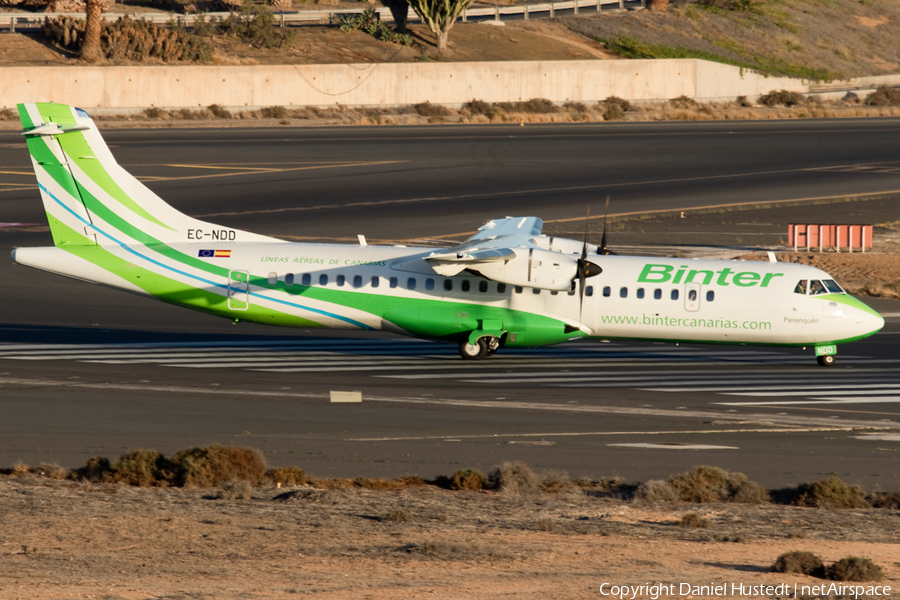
(86,371)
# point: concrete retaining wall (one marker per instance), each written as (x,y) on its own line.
(381,84)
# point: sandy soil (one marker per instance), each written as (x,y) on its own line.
(72,540)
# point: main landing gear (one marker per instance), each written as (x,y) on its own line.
(485,346)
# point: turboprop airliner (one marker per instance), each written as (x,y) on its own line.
(507,286)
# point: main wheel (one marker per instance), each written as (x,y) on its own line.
(475,351)
(826,360)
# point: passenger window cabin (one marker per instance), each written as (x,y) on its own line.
(674,294)
(639,293)
(306,279)
(710,296)
(657,294)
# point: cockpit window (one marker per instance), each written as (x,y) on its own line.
(801,287)
(816,288)
(832,286)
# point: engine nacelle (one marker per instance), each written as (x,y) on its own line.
(533,267)
(564,245)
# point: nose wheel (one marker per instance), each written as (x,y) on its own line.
(826,360)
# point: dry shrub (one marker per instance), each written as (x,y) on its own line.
(449,551)
(308,495)
(479,107)
(712,484)
(468,480)
(830,493)
(140,467)
(613,113)
(683,102)
(514,478)
(96,469)
(751,492)
(287,476)
(885,500)
(854,568)
(155,113)
(623,104)
(8,114)
(398,515)
(656,490)
(209,466)
(218,111)
(558,482)
(538,106)
(384,485)
(235,490)
(694,521)
(51,471)
(798,561)
(884,96)
(781,98)
(427,109)
(879,289)
(273,112)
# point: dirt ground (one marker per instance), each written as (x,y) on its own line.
(74,540)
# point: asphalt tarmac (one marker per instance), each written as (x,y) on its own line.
(86,371)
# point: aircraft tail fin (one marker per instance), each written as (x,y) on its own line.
(89,199)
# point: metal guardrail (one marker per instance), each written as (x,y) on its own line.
(29,21)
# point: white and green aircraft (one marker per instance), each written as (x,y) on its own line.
(506,286)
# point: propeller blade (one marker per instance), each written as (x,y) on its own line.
(602,249)
(583,262)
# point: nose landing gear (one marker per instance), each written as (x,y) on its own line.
(826,360)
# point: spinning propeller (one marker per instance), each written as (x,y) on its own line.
(585,267)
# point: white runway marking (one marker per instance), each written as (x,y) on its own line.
(676,446)
(770,374)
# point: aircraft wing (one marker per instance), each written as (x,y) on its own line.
(494,242)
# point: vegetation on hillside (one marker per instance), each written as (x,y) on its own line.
(810,39)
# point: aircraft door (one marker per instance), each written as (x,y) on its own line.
(238,290)
(692,297)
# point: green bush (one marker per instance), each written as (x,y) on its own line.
(130,39)
(368,22)
(256,29)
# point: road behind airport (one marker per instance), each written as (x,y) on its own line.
(85,370)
